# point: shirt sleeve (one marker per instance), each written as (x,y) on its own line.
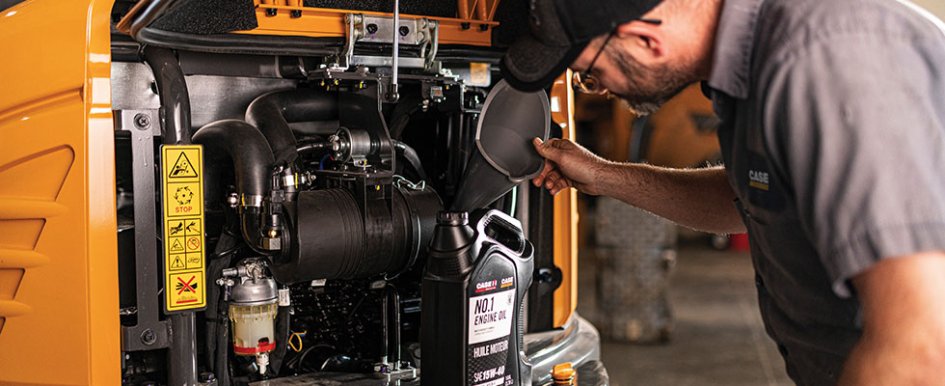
(855,124)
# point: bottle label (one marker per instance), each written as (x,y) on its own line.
(490,316)
(490,328)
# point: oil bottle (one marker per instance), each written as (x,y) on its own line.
(473,288)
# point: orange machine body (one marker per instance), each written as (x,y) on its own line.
(58,251)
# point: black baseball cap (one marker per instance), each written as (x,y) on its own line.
(559,31)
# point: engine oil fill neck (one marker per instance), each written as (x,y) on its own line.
(475,281)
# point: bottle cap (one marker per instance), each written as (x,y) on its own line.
(563,374)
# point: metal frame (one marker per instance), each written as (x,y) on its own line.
(150,333)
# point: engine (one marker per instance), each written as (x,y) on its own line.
(338,219)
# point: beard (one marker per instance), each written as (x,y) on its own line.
(648,88)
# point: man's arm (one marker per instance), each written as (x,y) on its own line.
(697,198)
(903,340)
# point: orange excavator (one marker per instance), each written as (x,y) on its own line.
(244,192)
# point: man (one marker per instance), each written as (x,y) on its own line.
(833,137)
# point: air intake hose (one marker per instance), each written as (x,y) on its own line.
(252,163)
(272,112)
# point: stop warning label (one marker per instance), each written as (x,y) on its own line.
(184,261)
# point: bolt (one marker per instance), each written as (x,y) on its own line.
(142,121)
(404,30)
(295,14)
(233,200)
(271,12)
(148,337)
(372,28)
(206,377)
(545,276)
(483,27)
(464,26)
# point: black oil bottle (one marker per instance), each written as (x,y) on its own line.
(473,287)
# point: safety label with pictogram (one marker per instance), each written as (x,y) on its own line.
(185,290)
(184,262)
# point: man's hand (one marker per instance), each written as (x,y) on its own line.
(903,341)
(568,165)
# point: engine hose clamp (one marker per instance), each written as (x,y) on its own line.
(403,183)
(289,180)
(251,200)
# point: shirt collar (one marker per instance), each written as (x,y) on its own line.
(734,43)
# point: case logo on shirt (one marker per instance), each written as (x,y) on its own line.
(758,179)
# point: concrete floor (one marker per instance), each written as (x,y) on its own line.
(718,338)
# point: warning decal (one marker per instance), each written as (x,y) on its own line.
(184,285)
(184,199)
(182,168)
(186,289)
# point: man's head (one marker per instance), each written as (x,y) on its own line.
(642,51)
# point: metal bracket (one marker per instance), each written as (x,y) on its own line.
(380,30)
(150,333)
(389,375)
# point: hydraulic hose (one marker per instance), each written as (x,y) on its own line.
(273,112)
(252,163)
(172,89)
(410,155)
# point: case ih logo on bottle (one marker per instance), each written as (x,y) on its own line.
(508,282)
(486,286)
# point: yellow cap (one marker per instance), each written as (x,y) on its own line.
(563,373)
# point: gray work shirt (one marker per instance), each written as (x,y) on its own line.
(833,115)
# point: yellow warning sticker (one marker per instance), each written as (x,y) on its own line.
(184,199)
(183,227)
(185,291)
(479,74)
(183,167)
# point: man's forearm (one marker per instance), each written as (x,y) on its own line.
(700,199)
(903,341)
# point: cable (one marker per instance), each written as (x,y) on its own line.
(296,337)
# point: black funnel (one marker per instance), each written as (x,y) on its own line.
(504,155)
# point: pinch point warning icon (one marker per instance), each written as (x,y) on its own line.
(182,168)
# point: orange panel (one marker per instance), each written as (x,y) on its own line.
(327,22)
(58,248)
(565,210)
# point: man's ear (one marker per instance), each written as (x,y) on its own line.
(645,36)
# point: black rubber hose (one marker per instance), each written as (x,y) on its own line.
(410,155)
(172,89)
(241,43)
(152,12)
(252,164)
(317,147)
(252,158)
(283,323)
(273,112)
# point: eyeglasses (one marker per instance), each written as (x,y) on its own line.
(586,83)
